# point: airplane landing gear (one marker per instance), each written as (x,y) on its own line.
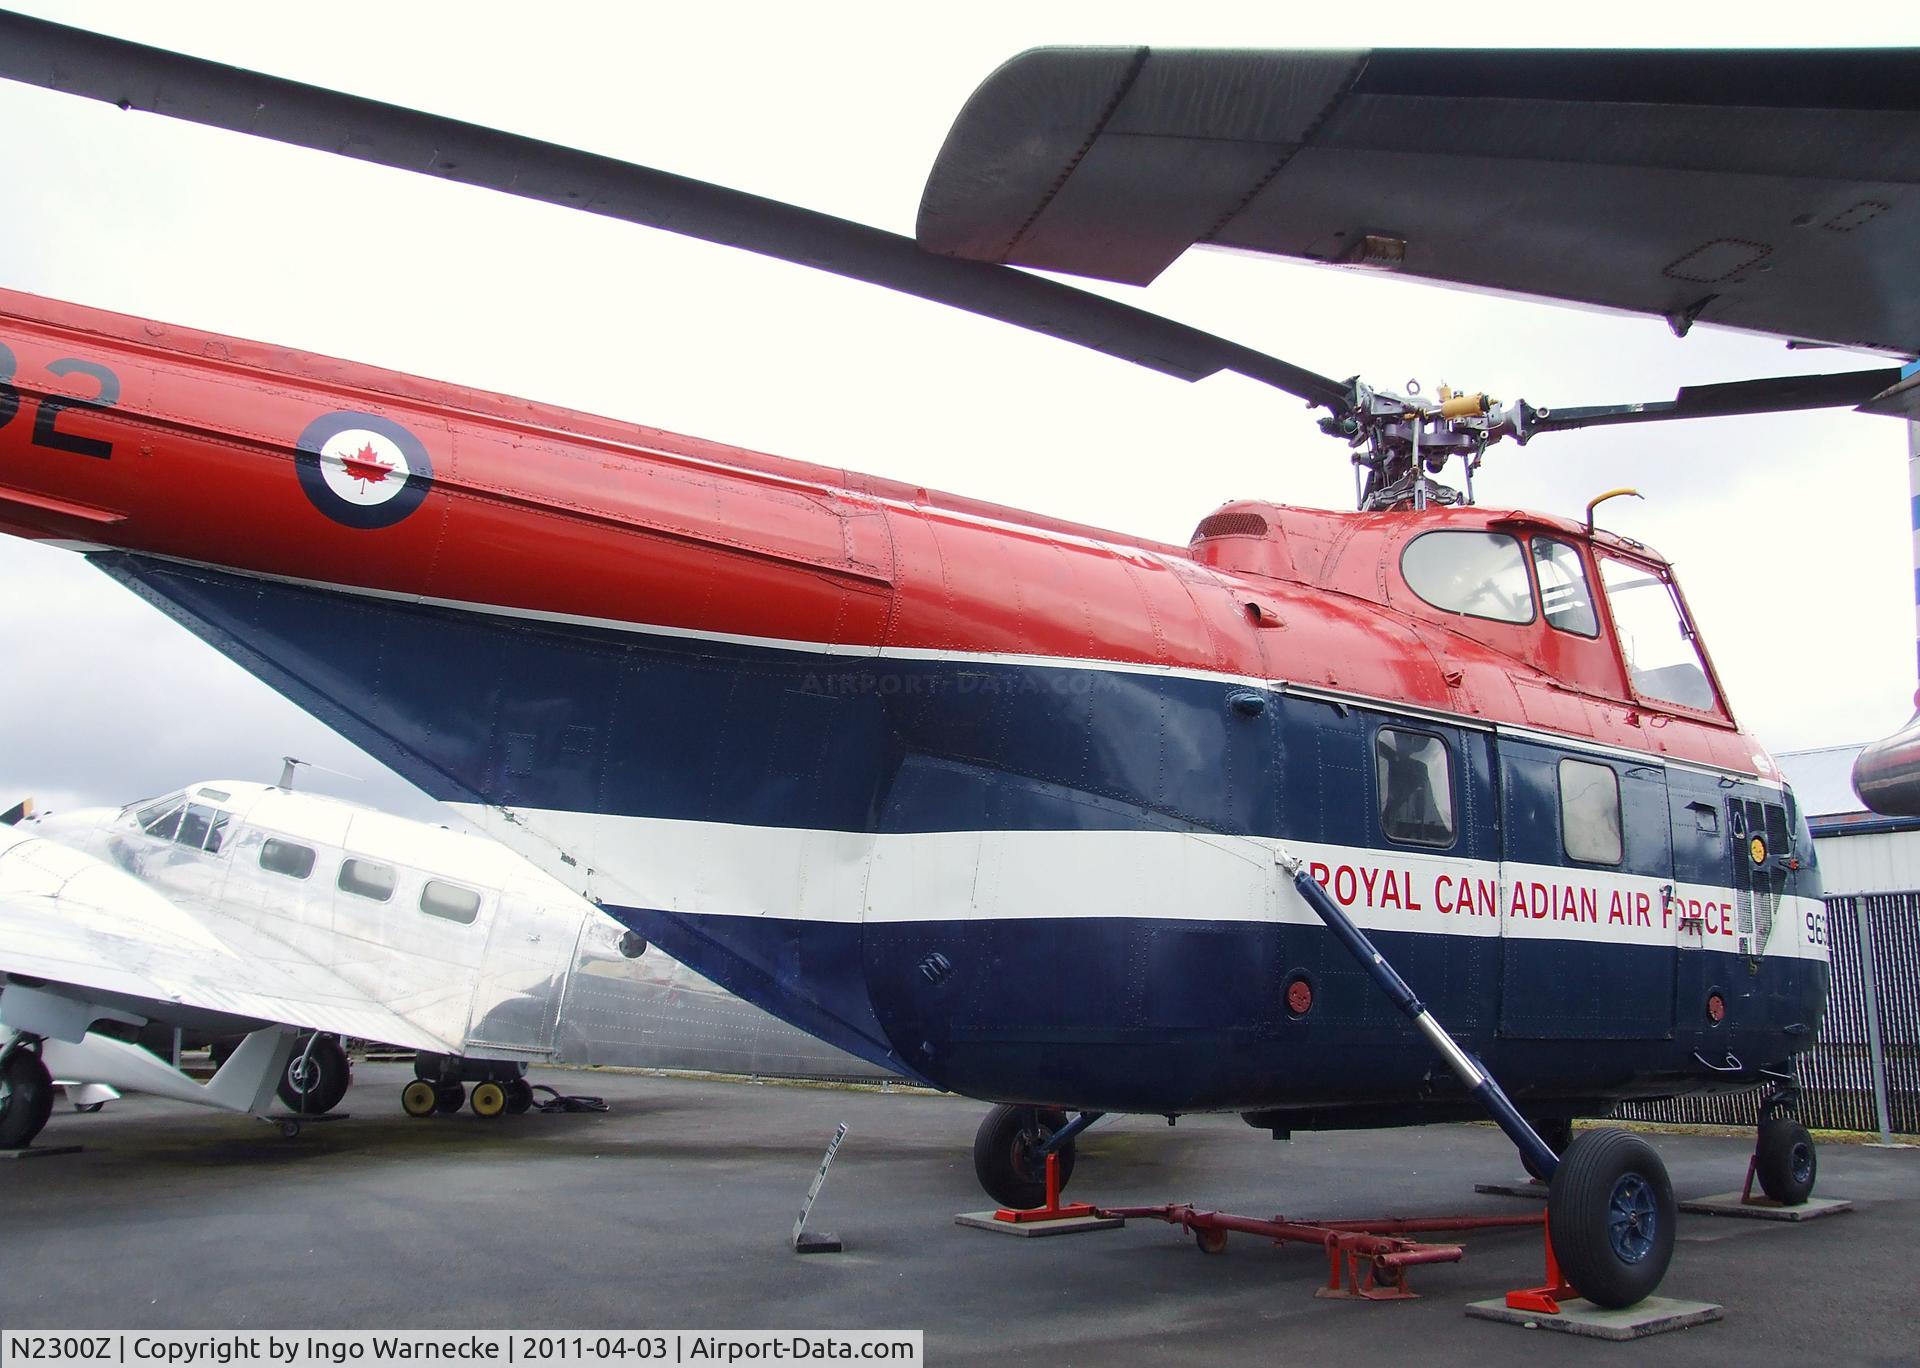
(1009,1154)
(1611,1216)
(317,1076)
(26,1095)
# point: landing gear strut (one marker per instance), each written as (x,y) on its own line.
(1610,1206)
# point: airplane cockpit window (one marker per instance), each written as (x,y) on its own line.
(195,825)
(1416,787)
(1662,661)
(161,818)
(286,857)
(367,879)
(1480,574)
(451,901)
(1590,812)
(1564,596)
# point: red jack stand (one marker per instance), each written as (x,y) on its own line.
(1545,1299)
(1053,1210)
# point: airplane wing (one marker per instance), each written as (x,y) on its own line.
(1773,191)
(78,923)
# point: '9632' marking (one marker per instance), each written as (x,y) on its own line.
(46,420)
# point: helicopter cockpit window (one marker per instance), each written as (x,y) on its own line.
(1590,812)
(1662,661)
(1416,787)
(1564,596)
(1480,574)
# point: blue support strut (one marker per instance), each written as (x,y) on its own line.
(1471,1071)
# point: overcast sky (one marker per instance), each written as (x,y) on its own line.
(1790,533)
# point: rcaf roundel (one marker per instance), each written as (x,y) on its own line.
(361,469)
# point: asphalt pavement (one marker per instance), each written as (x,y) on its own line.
(674,1210)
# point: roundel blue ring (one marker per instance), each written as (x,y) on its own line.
(307,463)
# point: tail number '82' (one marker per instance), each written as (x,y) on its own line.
(46,432)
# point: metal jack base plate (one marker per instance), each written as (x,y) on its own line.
(1765,1208)
(1064,1225)
(40,1151)
(1654,1316)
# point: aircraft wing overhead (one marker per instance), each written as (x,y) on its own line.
(1777,191)
(73,920)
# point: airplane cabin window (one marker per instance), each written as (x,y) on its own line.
(162,819)
(1564,597)
(1416,787)
(1480,574)
(367,879)
(1662,661)
(1590,812)
(450,901)
(286,857)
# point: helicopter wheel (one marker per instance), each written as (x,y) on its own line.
(1784,1161)
(1611,1217)
(1007,1158)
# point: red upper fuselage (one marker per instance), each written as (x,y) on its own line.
(536,508)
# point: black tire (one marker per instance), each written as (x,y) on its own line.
(449,1097)
(1557,1131)
(1007,1159)
(26,1099)
(316,1078)
(1785,1161)
(419,1098)
(519,1097)
(1611,1216)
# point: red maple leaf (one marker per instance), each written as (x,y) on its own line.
(366,464)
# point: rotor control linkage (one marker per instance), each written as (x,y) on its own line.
(1543,1161)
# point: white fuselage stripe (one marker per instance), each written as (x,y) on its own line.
(847,878)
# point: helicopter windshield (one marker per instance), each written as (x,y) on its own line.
(1662,660)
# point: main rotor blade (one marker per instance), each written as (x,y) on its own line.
(135,76)
(1778,395)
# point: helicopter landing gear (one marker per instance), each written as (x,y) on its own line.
(1784,1161)
(26,1094)
(1611,1217)
(1556,1132)
(1010,1154)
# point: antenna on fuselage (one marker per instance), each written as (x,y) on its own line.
(288,764)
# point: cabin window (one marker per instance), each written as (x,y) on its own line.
(1480,574)
(1590,812)
(1564,597)
(367,879)
(1416,787)
(1662,661)
(286,857)
(162,819)
(451,901)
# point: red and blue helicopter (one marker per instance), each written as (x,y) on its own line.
(1042,813)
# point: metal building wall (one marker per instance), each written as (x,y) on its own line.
(1836,1076)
